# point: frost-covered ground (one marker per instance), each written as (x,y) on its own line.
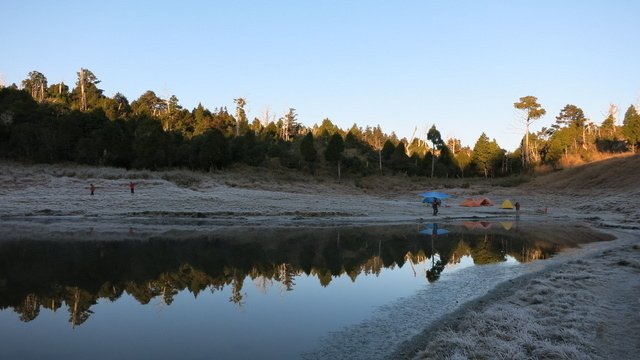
(61,194)
(581,305)
(584,305)
(394,324)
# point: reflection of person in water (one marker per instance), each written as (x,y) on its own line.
(433,274)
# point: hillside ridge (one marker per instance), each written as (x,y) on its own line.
(620,173)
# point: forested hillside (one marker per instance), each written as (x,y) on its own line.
(53,123)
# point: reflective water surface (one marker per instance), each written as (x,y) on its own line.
(236,294)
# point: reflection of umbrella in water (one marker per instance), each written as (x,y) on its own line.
(429,196)
(434,231)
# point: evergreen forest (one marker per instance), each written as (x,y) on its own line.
(51,123)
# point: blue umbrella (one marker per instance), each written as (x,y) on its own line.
(430,196)
(435,194)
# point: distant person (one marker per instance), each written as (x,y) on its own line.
(435,204)
(92,188)
(517,204)
(132,187)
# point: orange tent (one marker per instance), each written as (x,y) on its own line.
(485,202)
(469,202)
(477,202)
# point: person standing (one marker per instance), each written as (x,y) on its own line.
(435,204)
(132,187)
(92,188)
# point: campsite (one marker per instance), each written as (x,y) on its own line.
(226,202)
(320,180)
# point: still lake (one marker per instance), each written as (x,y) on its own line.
(240,293)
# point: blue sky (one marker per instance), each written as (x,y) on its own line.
(457,64)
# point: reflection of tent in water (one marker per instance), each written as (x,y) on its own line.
(507,225)
(477,202)
(472,225)
(506,204)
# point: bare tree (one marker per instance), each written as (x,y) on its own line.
(85,78)
(240,113)
(378,138)
(289,124)
(83,95)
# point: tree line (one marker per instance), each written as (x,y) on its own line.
(53,123)
(573,134)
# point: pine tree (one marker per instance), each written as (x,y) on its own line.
(241,116)
(608,128)
(307,149)
(334,150)
(573,117)
(86,90)
(290,124)
(485,154)
(436,140)
(533,111)
(36,85)
(631,127)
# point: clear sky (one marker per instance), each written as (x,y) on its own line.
(457,64)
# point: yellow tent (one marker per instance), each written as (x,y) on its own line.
(507,204)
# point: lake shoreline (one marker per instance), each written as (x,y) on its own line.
(466,325)
(53,199)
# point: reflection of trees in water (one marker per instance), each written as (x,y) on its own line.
(236,289)
(486,251)
(37,275)
(79,303)
(29,309)
(286,275)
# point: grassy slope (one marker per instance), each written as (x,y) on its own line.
(620,174)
